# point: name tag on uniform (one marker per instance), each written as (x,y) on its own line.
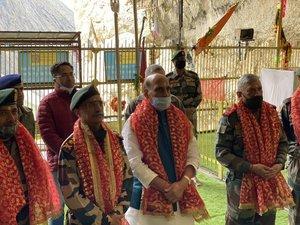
(222,129)
(190,83)
(175,84)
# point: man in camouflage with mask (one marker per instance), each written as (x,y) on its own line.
(185,85)
(252,145)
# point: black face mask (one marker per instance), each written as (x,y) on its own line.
(180,64)
(254,103)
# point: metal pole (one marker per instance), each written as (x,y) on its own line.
(180,13)
(137,44)
(115,8)
(95,53)
(278,36)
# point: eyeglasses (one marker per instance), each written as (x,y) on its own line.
(65,75)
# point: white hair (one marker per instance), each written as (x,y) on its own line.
(154,68)
(246,79)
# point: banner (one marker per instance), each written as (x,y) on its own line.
(283,4)
(213,89)
(203,42)
(127,65)
(34,66)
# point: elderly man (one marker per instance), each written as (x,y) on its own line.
(163,155)
(94,172)
(28,193)
(55,118)
(290,116)
(154,68)
(25,114)
(185,85)
(253,146)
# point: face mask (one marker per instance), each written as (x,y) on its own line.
(8,131)
(161,103)
(180,64)
(69,90)
(100,134)
(254,103)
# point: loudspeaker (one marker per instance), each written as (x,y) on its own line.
(244,34)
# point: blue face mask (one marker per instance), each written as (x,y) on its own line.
(161,103)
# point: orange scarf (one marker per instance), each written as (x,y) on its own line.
(43,198)
(144,122)
(100,170)
(261,141)
(295,113)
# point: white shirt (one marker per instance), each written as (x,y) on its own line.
(141,170)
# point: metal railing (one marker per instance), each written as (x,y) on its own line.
(218,68)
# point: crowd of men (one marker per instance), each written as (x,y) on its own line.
(144,175)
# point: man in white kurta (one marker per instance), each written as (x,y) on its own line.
(164,157)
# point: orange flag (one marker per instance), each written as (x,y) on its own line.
(203,42)
(283,3)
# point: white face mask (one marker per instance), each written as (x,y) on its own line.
(69,90)
(161,103)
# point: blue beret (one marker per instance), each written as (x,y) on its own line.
(9,81)
(8,97)
(81,95)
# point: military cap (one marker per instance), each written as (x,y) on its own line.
(81,95)
(178,54)
(9,81)
(8,97)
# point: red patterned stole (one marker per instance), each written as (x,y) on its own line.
(100,170)
(43,198)
(295,113)
(144,122)
(261,139)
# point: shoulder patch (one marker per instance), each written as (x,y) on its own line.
(222,128)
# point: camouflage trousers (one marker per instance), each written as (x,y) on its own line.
(236,216)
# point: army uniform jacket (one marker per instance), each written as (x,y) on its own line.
(230,147)
(81,209)
(186,87)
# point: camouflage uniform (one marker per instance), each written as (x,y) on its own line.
(27,119)
(230,153)
(81,209)
(133,104)
(187,88)
(293,167)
